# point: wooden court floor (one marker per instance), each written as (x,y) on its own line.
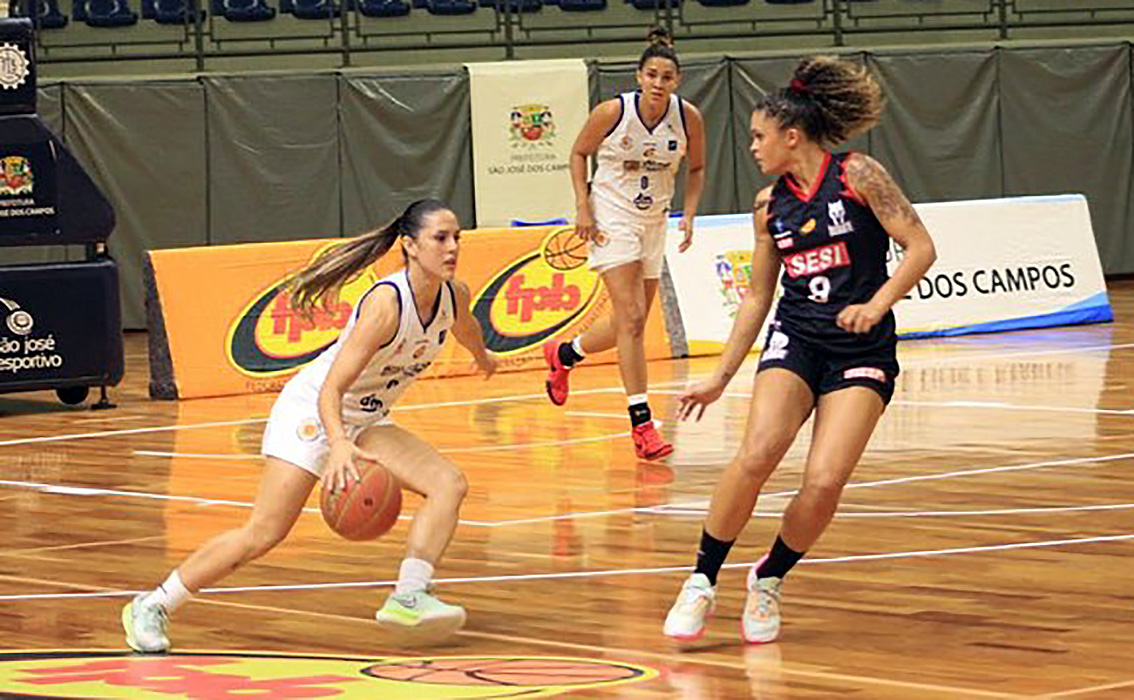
(985,547)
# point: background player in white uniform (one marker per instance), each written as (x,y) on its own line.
(638,140)
(333,412)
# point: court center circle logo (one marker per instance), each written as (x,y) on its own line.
(116,674)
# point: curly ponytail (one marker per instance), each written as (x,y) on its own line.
(830,99)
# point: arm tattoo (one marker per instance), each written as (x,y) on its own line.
(881,192)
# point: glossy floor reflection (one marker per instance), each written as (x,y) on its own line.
(983,548)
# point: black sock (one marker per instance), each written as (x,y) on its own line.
(780,560)
(711,556)
(639,414)
(568,357)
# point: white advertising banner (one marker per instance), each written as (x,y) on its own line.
(1002,264)
(525,117)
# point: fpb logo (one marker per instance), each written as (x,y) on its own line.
(536,296)
(271,337)
(218,676)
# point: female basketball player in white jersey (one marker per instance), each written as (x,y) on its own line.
(638,140)
(334,411)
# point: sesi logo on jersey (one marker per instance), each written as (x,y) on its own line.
(816,260)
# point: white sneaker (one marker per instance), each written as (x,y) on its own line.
(695,602)
(760,622)
(420,612)
(145,626)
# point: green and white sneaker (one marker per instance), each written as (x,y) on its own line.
(420,612)
(145,626)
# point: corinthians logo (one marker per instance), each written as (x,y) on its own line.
(110,674)
(14,66)
(538,295)
(270,337)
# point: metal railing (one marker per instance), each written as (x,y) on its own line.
(349,33)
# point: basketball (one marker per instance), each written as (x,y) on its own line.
(564,249)
(367,509)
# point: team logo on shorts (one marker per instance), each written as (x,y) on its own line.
(309,430)
(777,347)
(865,373)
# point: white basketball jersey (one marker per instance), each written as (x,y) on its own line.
(636,165)
(393,367)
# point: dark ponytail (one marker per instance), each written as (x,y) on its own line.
(830,99)
(659,45)
(338,264)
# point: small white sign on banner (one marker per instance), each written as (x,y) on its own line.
(525,117)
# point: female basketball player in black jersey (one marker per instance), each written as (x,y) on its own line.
(826,222)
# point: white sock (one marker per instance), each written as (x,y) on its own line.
(169,595)
(577,345)
(635,399)
(414,576)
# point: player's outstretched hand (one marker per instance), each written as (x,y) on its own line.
(698,396)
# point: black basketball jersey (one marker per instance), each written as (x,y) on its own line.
(833,251)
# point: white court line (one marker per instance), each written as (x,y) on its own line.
(666,509)
(656,388)
(129,431)
(247,421)
(677,508)
(1016,407)
(564,575)
(196,455)
(686,510)
(957,404)
(999,356)
(529,445)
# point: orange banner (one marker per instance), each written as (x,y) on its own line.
(237,333)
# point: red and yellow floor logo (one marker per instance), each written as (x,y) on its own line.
(223,676)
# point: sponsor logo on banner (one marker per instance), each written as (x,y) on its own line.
(259,674)
(531,125)
(734,270)
(270,337)
(16,176)
(816,260)
(25,351)
(838,224)
(14,66)
(536,296)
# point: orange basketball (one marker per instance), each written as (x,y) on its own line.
(365,510)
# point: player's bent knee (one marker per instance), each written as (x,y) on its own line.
(759,460)
(261,538)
